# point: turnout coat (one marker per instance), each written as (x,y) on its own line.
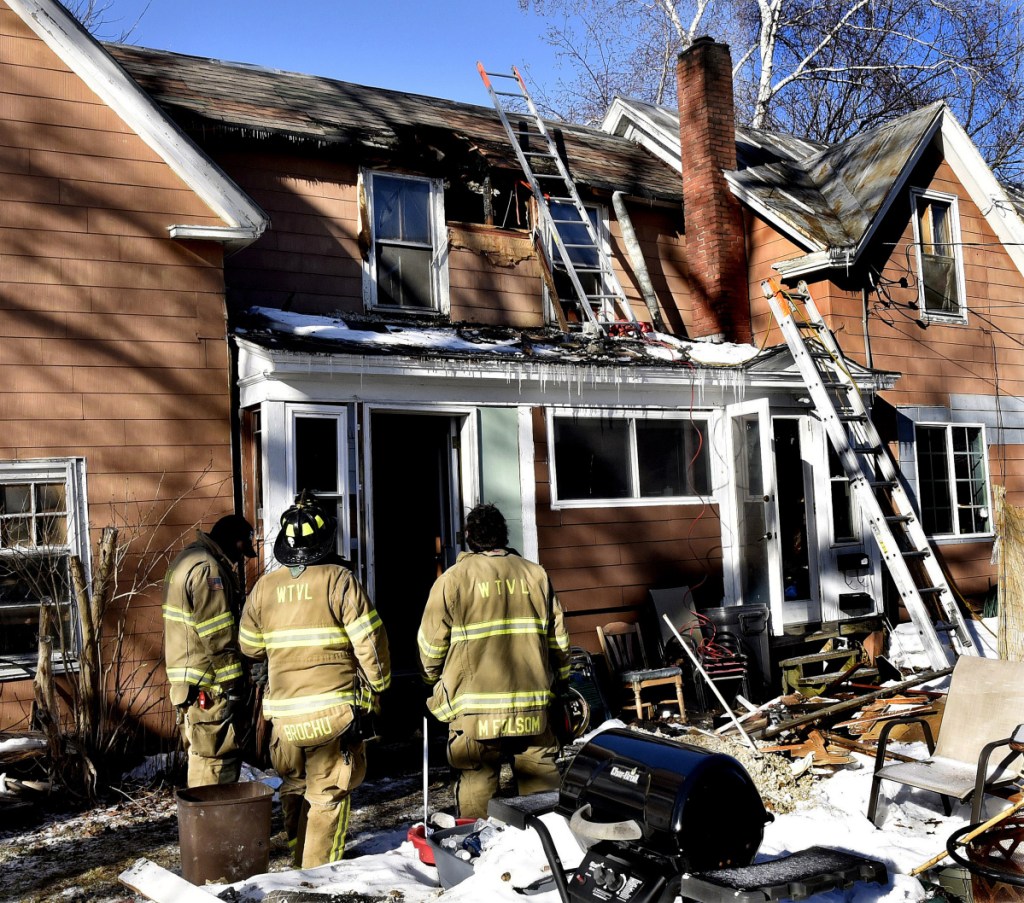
(325,646)
(492,641)
(200,612)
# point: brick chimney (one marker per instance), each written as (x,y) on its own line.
(715,243)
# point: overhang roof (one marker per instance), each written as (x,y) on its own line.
(257,102)
(365,337)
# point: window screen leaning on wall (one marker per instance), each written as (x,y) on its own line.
(952,471)
(604,458)
(39,531)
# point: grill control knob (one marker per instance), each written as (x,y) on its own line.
(599,875)
(612,881)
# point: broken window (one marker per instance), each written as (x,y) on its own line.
(583,254)
(602,458)
(952,472)
(940,266)
(405,268)
(41,527)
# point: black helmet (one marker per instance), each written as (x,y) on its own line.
(307,532)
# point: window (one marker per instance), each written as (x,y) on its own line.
(843,529)
(405,267)
(940,265)
(952,470)
(603,458)
(42,524)
(319,461)
(584,255)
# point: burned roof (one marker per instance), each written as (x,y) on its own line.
(364,336)
(834,195)
(207,96)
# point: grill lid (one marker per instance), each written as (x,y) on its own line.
(670,798)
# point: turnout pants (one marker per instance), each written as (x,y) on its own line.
(478,763)
(211,741)
(317,781)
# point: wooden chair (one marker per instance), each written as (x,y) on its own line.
(623,649)
(984,705)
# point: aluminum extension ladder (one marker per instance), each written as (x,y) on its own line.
(874,481)
(609,303)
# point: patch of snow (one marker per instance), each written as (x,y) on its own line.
(657,346)
(329,328)
(18,744)
(912,830)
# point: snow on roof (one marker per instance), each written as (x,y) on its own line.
(320,333)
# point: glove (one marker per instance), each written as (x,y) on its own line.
(259,673)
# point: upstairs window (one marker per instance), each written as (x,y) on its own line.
(41,526)
(647,459)
(952,472)
(406,268)
(940,262)
(585,258)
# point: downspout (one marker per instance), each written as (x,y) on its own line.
(636,257)
(864,321)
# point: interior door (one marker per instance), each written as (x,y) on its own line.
(751,538)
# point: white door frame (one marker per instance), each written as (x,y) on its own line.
(737,496)
(464,467)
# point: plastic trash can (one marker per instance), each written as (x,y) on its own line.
(224,831)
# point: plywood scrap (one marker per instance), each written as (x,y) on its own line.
(815,745)
(500,247)
(869,749)
(160,885)
(870,715)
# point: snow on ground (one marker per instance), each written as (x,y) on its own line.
(913,829)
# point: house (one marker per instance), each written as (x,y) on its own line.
(399,344)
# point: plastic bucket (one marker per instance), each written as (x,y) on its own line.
(224,831)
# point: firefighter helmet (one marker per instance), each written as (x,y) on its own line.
(307,533)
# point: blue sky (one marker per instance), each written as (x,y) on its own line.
(422,46)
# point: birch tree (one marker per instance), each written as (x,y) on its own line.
(100,18)
(821,69)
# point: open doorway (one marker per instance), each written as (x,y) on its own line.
(416,509)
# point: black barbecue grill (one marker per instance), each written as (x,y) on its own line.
(661,819)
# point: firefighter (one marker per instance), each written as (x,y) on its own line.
(327,661)
(492,642)
(202,598)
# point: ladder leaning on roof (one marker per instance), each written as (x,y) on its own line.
(608,303)
(874,481)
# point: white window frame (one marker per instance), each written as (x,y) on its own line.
(72,472)
(956,241)
(338,500)
(600,223)
(700,417)
(439,246)
(948,427)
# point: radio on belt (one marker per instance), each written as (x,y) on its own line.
(661,819)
